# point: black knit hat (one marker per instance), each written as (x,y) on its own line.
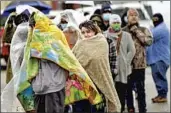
(157,19)
(106,7)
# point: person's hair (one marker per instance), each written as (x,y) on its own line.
(91,26)
(159,15)
(132,9)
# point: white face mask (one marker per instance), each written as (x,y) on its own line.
(63,26)
(106,16)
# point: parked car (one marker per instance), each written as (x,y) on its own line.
(145,19)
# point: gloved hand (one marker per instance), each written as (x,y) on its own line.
(11,18)
(32,20)
(21,18)
(133,28)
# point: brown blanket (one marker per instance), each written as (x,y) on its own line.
(93,55)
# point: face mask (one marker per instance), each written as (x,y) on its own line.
(63,26)
(106,16)
(116,27)
(126,19)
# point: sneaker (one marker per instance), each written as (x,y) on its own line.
(160,100)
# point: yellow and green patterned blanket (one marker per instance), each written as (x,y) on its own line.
(46,41)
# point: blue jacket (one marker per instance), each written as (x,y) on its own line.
(160,49)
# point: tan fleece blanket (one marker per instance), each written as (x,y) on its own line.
(93,55)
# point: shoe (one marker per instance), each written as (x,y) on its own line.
(131,111)
(160,100)
(155,98)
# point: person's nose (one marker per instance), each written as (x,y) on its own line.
(85,34)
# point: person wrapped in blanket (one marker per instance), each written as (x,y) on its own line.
(12,22)
(47,76)
(7,35)
(92,52)
(6,39)
(49,85)
(68,22)
(72,34)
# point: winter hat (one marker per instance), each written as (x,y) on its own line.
(97,11)
(64,17)
(115,18)
(106,7)
(157,19)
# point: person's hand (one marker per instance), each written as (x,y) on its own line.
(133,28)
(11,18)
(32,20)
(114,76)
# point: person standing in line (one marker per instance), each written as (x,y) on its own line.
(142,38)
(97,19)
(106,11)
(6,41)
(125,53)
(158,57)
(63,22)
(92,52)
(72,35)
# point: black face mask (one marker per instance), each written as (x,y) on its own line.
(157,19)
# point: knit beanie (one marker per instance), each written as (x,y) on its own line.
(114,18)
(106,7)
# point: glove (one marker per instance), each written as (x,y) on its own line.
(133,28)
(11,18)
(32,20)
(21,18)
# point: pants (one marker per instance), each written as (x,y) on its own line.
(159,70)
(84,106)
(121,89)
(51,102)
(137,78)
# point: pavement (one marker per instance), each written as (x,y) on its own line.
(150,93)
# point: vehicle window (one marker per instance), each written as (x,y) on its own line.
(149,10)
(101,2)
(120,11)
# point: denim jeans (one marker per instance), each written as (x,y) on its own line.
(137,78)
(159,70)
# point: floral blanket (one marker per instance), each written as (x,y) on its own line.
(46,41)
